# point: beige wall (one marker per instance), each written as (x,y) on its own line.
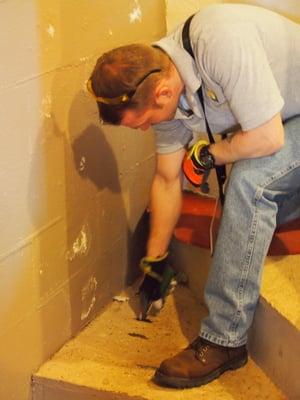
(72,191)
(178,10)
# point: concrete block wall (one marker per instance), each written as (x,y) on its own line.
(178,11)
(72,192)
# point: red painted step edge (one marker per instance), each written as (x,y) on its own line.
(194,225)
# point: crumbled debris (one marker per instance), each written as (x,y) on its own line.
(137,335)
(121,299)
(146,366)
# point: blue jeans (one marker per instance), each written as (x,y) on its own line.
(260,194)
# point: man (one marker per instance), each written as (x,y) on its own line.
(247,62)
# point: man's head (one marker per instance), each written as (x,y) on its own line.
(135,85)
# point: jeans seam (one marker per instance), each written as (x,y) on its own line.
(245,267)
(251,242)
(279,175)
(222,342)
(257,193)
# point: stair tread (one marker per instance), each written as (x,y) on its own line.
(281,286)
(197,213)
(116,353)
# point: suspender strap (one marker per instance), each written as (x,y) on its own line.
(220,169)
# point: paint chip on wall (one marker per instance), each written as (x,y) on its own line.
(51,30)
(88,297)
(82,164)
(81,244)
(47,106)
(136,14)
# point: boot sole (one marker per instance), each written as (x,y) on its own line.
(183,383)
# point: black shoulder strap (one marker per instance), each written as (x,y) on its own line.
(220,170)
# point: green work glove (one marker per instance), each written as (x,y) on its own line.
(157,280)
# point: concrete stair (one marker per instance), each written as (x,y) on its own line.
(274,340)
(115,357)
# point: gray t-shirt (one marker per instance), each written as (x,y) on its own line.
(247,60)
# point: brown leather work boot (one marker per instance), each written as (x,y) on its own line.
(200,363)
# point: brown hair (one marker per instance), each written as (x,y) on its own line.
(121,71)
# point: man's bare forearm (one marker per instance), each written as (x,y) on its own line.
(259,142)
(165,211)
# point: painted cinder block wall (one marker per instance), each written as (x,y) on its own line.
(177,10)
(72,191)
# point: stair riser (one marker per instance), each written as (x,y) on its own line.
(47,389)
(274,346)
(273,340)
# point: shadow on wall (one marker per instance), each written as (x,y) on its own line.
(94,159)
(115,249)
(85,251)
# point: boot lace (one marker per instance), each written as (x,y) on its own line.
(200,349)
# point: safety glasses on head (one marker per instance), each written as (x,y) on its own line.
(124,98)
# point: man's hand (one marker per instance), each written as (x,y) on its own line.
(197,163)
(154,288)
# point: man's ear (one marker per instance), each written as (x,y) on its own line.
(163,94)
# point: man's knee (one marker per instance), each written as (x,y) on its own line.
(242,178)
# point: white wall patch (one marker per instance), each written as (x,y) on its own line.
(136,14)
(81,244)
(88,297)
(51,30)
(82,164)
(47,106)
